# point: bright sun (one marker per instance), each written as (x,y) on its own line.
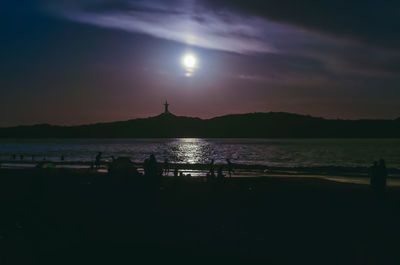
(189,61)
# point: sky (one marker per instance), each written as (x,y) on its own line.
(71,62)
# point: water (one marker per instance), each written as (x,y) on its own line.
(272,152)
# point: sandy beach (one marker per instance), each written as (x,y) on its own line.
(64,216)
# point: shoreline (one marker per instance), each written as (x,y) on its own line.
(329,169)
(359,178)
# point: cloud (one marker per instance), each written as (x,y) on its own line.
(332,35)
(368,21)
(181,21)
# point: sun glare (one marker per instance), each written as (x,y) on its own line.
(189,61)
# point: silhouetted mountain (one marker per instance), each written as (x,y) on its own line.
(251,125)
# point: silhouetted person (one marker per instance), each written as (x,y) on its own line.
(166,167)
(230,168)
(62,158)
(153,173)
(151,167)
(373,171)
(122,170)
(154,167)
(98,160)
(146,167)
(212,174)
(220,174)
(176,171)
(382,176)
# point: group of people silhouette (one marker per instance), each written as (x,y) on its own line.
(377,172)
(34,157)
(154,170)
(151,168)
(220,175)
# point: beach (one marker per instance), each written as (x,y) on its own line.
(199,132)
(81,216)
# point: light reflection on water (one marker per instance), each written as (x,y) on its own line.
(190,150)
(272,152)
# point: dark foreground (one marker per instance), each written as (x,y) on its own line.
(77,217)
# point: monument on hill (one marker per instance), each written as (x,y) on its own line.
(166,112)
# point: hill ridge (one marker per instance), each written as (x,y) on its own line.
(242,125)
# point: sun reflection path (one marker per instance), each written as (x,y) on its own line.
(191,150)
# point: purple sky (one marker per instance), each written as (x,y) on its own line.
(74,62)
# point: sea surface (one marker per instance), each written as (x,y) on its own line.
(271,152)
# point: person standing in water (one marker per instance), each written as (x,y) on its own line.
(230,168)
(212,174)
(98,160)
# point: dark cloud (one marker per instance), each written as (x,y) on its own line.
(369,21)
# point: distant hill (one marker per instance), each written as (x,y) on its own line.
(251,125)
